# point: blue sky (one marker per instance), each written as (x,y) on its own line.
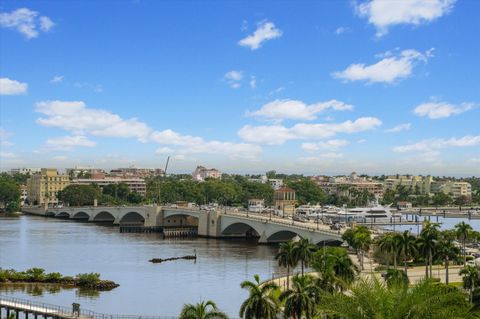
(314,87)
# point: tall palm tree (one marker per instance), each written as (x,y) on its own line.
(447,251)
(362,242)
(286,258)
(334,264)
(370,298)
(261,303)
(462,229)
(300,301)
(303,251)
(202,310)
(388,244)
(407,247)
(471,276)
(426,242)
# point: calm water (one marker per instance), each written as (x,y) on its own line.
(445,223)
(145,288)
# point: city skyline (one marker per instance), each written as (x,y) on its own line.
(315,88)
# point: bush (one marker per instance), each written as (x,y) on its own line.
(54,277)
(35,274)
(87,280)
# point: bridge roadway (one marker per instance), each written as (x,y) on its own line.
(220,223)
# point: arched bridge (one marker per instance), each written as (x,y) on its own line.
(215,224)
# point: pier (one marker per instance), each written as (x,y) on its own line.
(30,309)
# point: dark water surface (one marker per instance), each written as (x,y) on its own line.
(145,288)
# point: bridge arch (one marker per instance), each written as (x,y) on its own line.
(63,215)
(281,236)
(240,229)
(81,216)
(50,214)
(132,218)
(104,216)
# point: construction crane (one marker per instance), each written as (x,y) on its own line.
(166,166)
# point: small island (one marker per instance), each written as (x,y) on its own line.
(38,276)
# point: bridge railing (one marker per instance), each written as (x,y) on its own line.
(62,311)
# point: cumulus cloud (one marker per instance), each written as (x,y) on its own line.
(387,70)
(439,143)
(297,110)
(279,134)
(76,117)
(57,79)
(341,30)
(193,144)
(265,31)
(399,128)
(12,87)
(66,143)
(438,110)
(326,145)
(233,78)
(26,21)
(384,13)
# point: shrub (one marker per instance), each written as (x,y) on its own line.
(86,280)
(35,274)
(53,277)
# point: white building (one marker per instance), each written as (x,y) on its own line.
(134,184)
(276,183)
(256,205)
(201,173)
(25,170)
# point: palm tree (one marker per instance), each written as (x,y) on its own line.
(447,251)
(471,277)
(462,229)
(370,298)
(396,277)
(260,304)
(202,310)
(336,268)
(426,243)
(286,258)
(388,244)
(362,242)
(407,247)
(300,301)
(303,251)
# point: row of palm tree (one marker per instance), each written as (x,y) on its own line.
(430,244)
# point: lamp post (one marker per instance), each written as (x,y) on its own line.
(317,219)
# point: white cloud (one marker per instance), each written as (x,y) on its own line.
(57,79)
(253,82)
(327,145)
(361,141)
(98,88)
(74,116)
(6,154)
(4,138)
(399,128)
(265,31)
(194,144)
(278,134)
(66,143)
(439,143)
(297,110)
(276,91)
(233,78)
(59,158)
(341,30)
(385,13)
(12,87)
(164,151)
(387,70)
(26,22)
(329,156)
(434,110)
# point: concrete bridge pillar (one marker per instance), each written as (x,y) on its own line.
(263,238)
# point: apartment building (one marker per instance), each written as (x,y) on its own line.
(134,184)
(43,187)
(24,170)
(341,185)
(201,173)
(456,189)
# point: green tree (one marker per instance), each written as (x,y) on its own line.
(426,243)
(300,301)
(446,251)
(470,277)
(261,302)
(202,310)
(389,244)
(396,277)
(303,252)
(307,191)
(407,247)
(370,298)
(9,193)
(286,258)
(335,267)
(79,195)
(462,230)
(440,199)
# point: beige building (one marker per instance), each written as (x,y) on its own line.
(456,189)
(201,173)
(134,184)
(340,185)
(422,183)
(285,200)
(43,187)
